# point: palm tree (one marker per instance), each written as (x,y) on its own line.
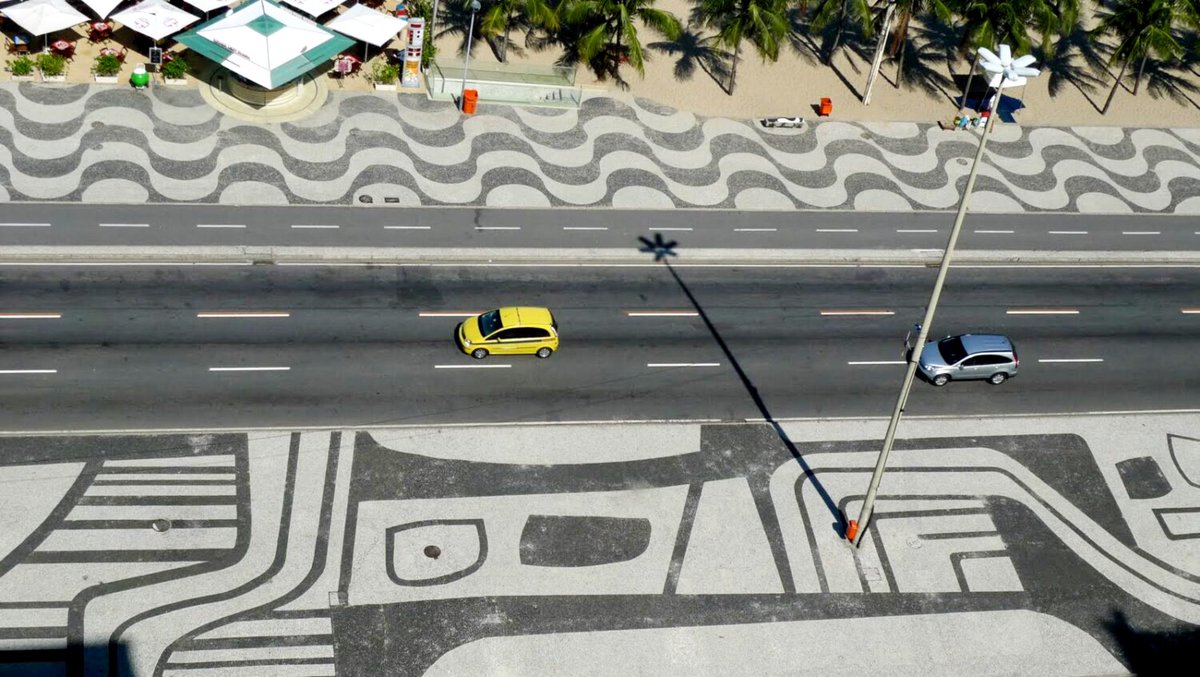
(905,11)
(988,23)
(841,11)
(500,17)
(603,33)
(1141,27)
(764,23)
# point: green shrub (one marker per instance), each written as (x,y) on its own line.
(107,65)
(176,68)
(21,65)
(51,65)
(384,73)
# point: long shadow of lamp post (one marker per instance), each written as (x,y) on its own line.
(1007,72)
(663,250)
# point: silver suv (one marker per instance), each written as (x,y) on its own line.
(969,357)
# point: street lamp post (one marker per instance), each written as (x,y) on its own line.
(1007,72)
(877,62)
(467,59)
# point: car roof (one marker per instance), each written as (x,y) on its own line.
(522,316)
(986,343)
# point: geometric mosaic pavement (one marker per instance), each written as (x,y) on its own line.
(411,552)
(102,143)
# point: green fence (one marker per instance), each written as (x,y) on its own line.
(517,84)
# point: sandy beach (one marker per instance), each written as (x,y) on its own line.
(794,84)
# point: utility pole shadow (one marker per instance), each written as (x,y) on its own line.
(663,250)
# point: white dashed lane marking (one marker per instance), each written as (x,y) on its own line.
(315,226)
(220,225)
(874,363)
(497,228)
(661,313)
(237,314)
(24,225)
(124,225)
(994,232)
(30,316)
(446,313)
(1067,232)
(1068,360)
(682,364)
(28,371)
(1041,311)
(249,368)
(471,366)
(755,230)
(585,228)
(1141,232)
(837,230)
(406,227)
(852,313)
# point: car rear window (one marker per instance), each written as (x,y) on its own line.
(952,349)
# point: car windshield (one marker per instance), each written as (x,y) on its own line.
(952,349)
(489,322)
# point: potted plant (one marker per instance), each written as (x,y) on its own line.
(384,75)
(106,68)
(52,67)
(21,68)
(175,71)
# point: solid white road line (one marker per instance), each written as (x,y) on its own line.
(1041,311)
(318,226)
(1141,232)
(585,227)
(1190,311)
(1067,232)
(30,316)
(837,230)
(994,232)
(124,225)
(471,366)
(219,225)
(28,371)
(249,368)
(1072,360)
(241,314)
(24,225)
(661,313)
(683,364)
(445,313)
(840,313)
(755,230)
(875,362)
(916,230)
(406,227)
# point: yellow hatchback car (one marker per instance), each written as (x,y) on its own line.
(509,331)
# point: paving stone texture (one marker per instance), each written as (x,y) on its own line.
(100,143)
(1039,546)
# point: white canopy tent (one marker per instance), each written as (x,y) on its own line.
(40,17)
(156,18)
(368,25)
(102,8)
(314,7)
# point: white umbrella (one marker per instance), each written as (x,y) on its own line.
(314,7)
(156,18)
(102,8)
(40,17)
(207,6)
(368,25)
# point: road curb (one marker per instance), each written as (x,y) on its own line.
(237,255)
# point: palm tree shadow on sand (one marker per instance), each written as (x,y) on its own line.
(663,250)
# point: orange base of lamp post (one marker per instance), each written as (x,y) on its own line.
(852,530)
(826,107)
(469,100)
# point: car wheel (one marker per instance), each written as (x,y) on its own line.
(479,353)
(544,353)
(998,378)
(940,380)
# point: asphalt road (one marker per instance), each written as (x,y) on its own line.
(219,225)
(127,347)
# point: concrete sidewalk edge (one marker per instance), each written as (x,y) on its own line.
(242,255)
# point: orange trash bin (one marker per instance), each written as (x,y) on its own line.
(470,98)
(826,106)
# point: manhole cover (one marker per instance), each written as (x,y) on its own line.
(366,199)
(433,552)
(963,161)
(161,525)
(97,125)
